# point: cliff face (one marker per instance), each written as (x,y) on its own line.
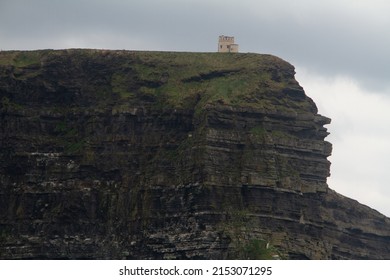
(116,154)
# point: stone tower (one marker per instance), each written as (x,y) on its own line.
(226,44)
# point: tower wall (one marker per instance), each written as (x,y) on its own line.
(226,44)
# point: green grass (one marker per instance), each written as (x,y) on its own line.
(241,79)
(259,134)
(257,249)
(180,80)
(118,85)
(20,59)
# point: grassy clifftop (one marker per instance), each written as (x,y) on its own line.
(164,79)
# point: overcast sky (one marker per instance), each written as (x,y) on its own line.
(341,50)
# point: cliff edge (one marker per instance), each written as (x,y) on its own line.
(159,155)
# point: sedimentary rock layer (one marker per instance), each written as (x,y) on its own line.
(150,155)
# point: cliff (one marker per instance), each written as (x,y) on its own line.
(152,155)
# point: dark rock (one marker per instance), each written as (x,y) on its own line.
(144,155)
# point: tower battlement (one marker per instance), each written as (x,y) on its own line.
(226,44)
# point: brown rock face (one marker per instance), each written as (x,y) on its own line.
(146,155)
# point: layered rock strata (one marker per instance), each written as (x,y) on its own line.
(148,155)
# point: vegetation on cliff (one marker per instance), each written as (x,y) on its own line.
(177,80)
(123,154)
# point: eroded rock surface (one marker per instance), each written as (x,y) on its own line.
(147,155)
